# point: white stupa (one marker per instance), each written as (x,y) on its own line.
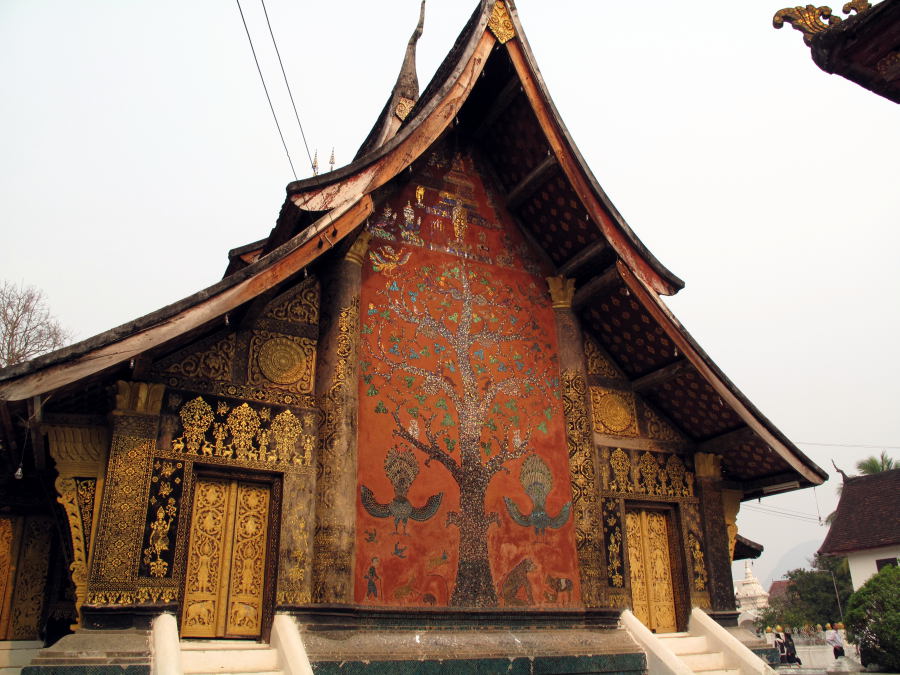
(750,596)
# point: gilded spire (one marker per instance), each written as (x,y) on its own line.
(403,96)
(408,81)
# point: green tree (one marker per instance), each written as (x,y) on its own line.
(810,598)
(873,619)
(873,465)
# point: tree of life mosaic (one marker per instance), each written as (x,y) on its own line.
(464,495)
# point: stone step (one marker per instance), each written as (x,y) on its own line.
(193,645)
(704,662)
(687,644)
(243,672)
(230,660)
(724,671)
(12,658)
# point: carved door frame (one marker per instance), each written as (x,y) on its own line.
(677,562)
(274,481)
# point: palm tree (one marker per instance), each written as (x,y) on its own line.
(873,464)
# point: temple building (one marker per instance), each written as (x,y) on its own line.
(750,596)
(444,393)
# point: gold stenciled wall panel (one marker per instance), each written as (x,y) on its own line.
(24,558)
(242,397)
(248,435)
(239,397)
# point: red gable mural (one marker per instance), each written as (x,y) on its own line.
(464,496)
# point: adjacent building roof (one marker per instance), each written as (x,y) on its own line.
(778,589)
(868,515)
(490,93)
(864,48)
(745,549)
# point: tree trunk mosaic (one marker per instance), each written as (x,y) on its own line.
(464,495)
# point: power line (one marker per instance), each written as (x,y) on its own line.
(266,89)
(284,75)
(852,445)
(783,514)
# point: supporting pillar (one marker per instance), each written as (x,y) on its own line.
(120,527)
(708,470)
(80,456)
(336,387)
(580,444)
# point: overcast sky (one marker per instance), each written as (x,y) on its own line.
(137,147)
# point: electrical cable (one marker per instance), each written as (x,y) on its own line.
(266,89)
(782,514)
(284,75)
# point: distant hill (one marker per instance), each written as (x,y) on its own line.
(798,556)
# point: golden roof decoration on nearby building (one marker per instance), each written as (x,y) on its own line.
(810,19)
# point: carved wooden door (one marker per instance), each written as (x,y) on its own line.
(652,593)
(226,562)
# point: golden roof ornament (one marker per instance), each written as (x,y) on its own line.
(501,24)
(811,20)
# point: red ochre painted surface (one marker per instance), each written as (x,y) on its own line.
(459,407)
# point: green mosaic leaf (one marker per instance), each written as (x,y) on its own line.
(450,442)
(441,403)
(372,391)
(380,408)
(413,411)
(543,427)
(410,380)
(447,421)
(490,424)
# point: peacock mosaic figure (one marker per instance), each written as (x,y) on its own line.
(537,481)
(401,468)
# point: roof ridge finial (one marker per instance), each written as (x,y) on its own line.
(408,82)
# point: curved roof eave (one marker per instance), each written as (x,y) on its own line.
(720,382)
(432,116)
(118,345)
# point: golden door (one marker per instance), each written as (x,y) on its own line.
(223,590)
(652,594)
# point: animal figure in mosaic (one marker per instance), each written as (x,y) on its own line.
(401,469)
(406,590)
(537,481)
(517,580)
(558,586)
(386,259)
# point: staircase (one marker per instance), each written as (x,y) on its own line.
(694,651)
(706,648)
(206,657)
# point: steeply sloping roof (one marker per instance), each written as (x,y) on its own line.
(868,515)
(489,92)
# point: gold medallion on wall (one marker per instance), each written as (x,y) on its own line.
(284,360)
(614,412)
